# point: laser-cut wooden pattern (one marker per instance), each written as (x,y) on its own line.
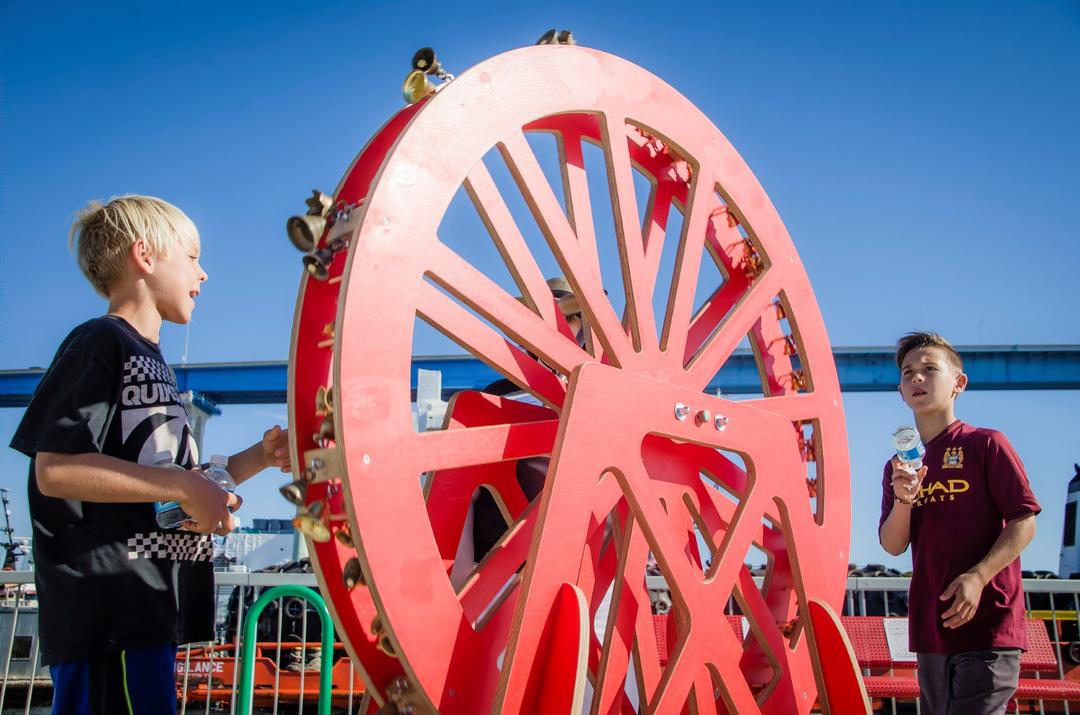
(557,616)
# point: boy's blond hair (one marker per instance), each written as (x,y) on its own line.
(102,235)
(915,341)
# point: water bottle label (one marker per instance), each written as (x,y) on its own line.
(909,455)
(160,506)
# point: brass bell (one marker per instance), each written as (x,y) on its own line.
(318,203)
(382,640)
(311,522)
(324,400)
(425,61)
(325,433)
(317,263)
(417,86)
(557,37)
(294,492)
(345,538)
(304,231)
(352,575)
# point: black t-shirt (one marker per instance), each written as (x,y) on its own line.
(107,577)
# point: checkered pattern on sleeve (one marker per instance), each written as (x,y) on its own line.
(142,368)
(174,546)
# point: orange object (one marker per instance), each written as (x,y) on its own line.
(212,672)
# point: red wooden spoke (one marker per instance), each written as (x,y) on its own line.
(655,230)
(449,493)
(646,656)
(570,130)
(712,636)
(687,265)
(508,239)
(637,280)
(496,351)
(796,407)
(716,307)
(578,265)
(718,348)
(496,570)
(628,602)
(761,661)
(469,408)
(615,444)
(522,325)
(771,344)
(578,206)
(704,700)
(451,449)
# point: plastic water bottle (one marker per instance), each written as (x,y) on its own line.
(217,472)
(909,447)
(168,514)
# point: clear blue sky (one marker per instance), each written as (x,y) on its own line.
(924,157)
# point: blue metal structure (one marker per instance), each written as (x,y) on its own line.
(1018,367)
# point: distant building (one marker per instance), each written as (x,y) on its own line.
(1069,565)
(267,542)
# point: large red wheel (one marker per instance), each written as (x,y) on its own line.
(645,462)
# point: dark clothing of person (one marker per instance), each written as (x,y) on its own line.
(138,681)
(974,484)
(489,524)
(973,683)
(108,579)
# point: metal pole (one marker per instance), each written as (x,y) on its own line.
(247,656)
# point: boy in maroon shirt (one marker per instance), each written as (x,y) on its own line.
(967,513)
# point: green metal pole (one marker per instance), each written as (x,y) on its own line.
(247,649)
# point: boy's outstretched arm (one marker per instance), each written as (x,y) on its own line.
(95,477)
(966,589)
(271,451)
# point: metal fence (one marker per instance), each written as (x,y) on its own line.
(207,674)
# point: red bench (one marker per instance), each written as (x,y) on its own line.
(871,646)
(868,640)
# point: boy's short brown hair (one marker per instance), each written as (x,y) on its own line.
(926,339)
(102,234)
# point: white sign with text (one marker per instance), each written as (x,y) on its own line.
(896,633)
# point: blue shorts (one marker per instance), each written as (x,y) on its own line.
(135,681)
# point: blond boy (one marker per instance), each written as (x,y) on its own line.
(117,594)
(967,514)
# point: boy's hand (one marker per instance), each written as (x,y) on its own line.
(275,448)
(209,506)
(965,590)
(905,482)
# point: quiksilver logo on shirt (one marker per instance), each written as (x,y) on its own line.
(152,417)
(149,393)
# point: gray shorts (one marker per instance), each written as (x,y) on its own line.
(978,682)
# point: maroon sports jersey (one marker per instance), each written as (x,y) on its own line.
(974,483)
